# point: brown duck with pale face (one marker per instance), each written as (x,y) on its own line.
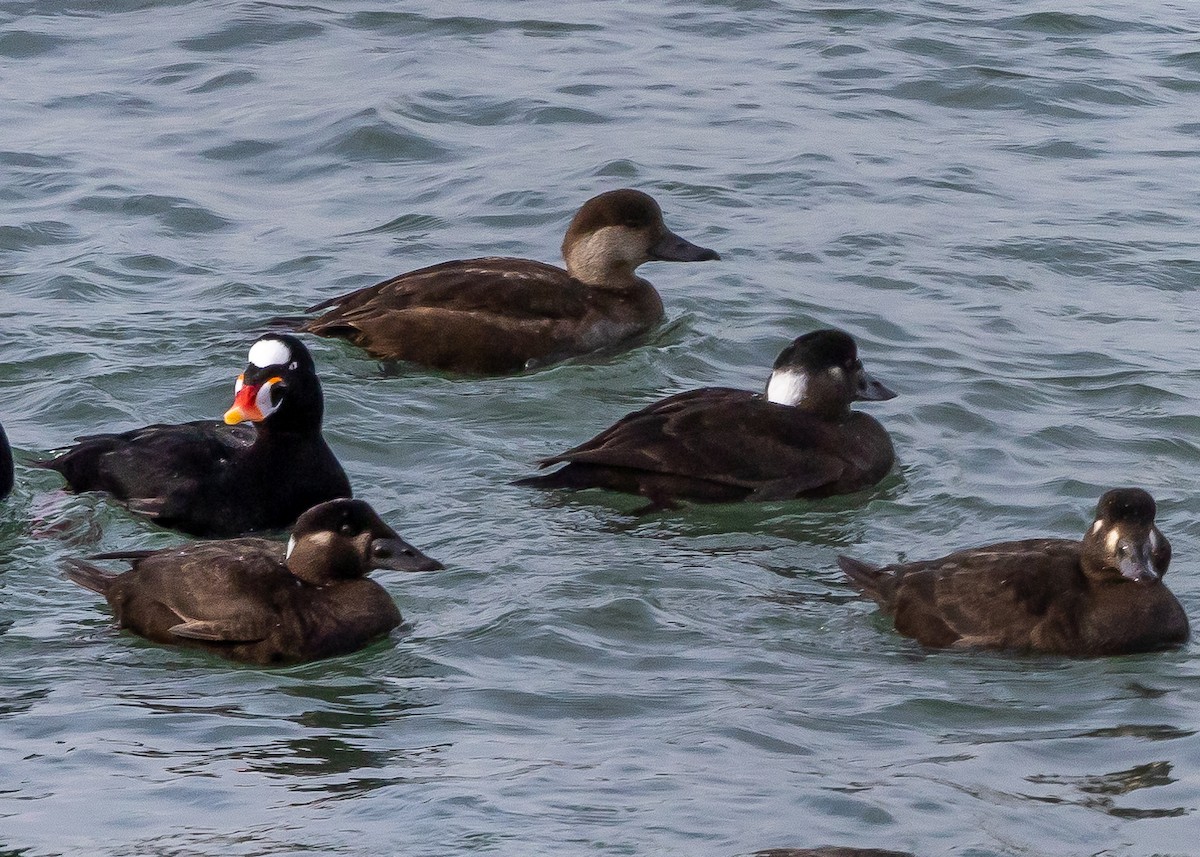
(1101,596)
(254,600)
(496,316)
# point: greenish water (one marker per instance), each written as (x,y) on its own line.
(998,200)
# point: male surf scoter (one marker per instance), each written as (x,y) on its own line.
(213,479)
(496,316)
(1102,596)
(254,600)
(717,445)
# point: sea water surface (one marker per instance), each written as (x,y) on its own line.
(998,200)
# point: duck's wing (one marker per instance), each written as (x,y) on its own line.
(150,463)
(994,596)
(721,435)
(508,288)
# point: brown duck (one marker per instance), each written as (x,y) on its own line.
(496,316)
(719,445)
(1101,596)
(256,601)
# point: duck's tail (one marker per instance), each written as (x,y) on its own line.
(88,576)
(871,580)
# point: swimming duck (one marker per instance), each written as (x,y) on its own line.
(254,600)
(1102,596)
(717,445)
(6,465)
(495,316)
(213,479)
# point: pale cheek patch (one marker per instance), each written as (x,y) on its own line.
(269,352)
(291,547)
(1153,540)
(1096,527)
(1114,536)
(786,388)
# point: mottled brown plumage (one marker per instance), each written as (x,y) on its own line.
(496,315)
(719,444)
(252,600)
(1101,596)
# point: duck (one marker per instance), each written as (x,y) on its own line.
(256,601)
(501,316)
(799,439)
(258,470)
(7,476)
(1101,596)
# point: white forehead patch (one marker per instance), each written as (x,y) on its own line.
(269,352)
(786,387)
(1114,536)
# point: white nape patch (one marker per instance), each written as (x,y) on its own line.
(1114,536)
(786,387)
(1096,527)
(291,547)
(269,352)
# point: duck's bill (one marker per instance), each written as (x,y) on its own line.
(398,555)
(673,248)
(870,390)
(1137,564)
(253,402)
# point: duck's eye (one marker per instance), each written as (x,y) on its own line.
(348,529)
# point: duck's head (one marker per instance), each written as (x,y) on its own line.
(1123,542)
(615,232)
(344,539)
(279,384)
(821,372)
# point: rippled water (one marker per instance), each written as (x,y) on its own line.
(998,200)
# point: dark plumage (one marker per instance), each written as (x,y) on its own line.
(1101,596)
(497,316)
(718,444)
(6,465)
(250,600)
(214,479)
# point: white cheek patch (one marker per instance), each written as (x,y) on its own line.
(263,400)
(291,547)
(1096,527)
(1153,539)
(269,352)
(786,387)
(1114,536)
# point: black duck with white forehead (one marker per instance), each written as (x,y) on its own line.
(1100,596)
(253,600)
(496,316)
(224,479)
(719,445)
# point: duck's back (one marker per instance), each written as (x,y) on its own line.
(737,439)
(487,316)
(1022,595)
(237,599)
